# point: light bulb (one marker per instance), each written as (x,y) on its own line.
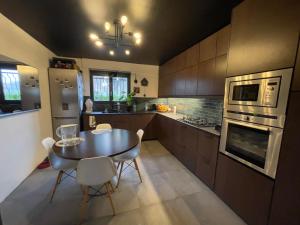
(99,43)
(111,52)
(124,20)
(107,26)
(93,36)
(127,52)
(137,35)
(138,41)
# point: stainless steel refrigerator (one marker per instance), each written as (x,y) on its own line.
(66,93)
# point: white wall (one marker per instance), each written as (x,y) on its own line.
(148,71)
(20,135)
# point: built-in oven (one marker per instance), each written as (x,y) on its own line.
(253,118)
(257,146)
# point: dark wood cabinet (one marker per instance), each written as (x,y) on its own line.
(191,78)
(199,70)
(126,121)
(264,36)
(220,75)
(208,48)
(286,197)
(223,40)
(192,55)
(207,153)
(245,190)
(206,72)
(296,78)
(180,82)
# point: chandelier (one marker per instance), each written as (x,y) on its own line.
(115,37)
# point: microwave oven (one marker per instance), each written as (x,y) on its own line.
(258,96)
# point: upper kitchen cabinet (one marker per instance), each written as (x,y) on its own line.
(220,75)
(223,39)
(191,77)
(264,36)
(208,48)
(192,55)
(206,74)
(296,79)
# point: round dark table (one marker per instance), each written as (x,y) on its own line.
(110,143)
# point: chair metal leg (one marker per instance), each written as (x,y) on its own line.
(120,173)
(110,199)
(118,165)
(138,170)
(84,203)
(58,179)
(111,186)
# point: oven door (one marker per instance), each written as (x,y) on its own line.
(257,146)
(247,92)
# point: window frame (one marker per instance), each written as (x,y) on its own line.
(2,96)
(111,74)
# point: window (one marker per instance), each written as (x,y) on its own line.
(10,84)
(109,86)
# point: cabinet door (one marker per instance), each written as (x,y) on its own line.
(286,197)
(192,55)
(206,72)
(220,75)
(264,36)
(208,48)
(223,39)
(245,190)
(180,83)
(191,78)
(179,145)
(296,78)
(189,154)
(207,153)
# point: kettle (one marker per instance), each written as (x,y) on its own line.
(67,133)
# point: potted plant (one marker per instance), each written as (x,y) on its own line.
(129,100)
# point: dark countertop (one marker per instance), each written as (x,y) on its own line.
(118,113)
(2,115)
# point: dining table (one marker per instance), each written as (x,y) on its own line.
(95,143)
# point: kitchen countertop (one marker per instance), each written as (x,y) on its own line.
(178,116)
(118,113)
(171,115)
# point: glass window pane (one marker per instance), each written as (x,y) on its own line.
(120,88)
(101,88)
(11,84)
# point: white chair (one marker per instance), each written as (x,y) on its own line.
(95,171)
(103,126)
(130,156)
(58,163)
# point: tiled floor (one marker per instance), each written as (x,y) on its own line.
(169,194)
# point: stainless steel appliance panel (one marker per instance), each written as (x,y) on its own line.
(64,92)
(257,146)
(272,93)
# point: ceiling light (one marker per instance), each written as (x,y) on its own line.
(124,20)
(127,52)
(138,41)
(137,35)
(111,52)
(93,36)
(107,26)
(99,43)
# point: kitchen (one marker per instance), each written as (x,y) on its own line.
(219,114)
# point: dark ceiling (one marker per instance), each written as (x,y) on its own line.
(168,26)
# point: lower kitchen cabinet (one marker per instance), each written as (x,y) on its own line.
(245,190)
(207,153)
(126,121)
(194,148)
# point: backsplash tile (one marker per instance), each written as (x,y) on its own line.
(207,107)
